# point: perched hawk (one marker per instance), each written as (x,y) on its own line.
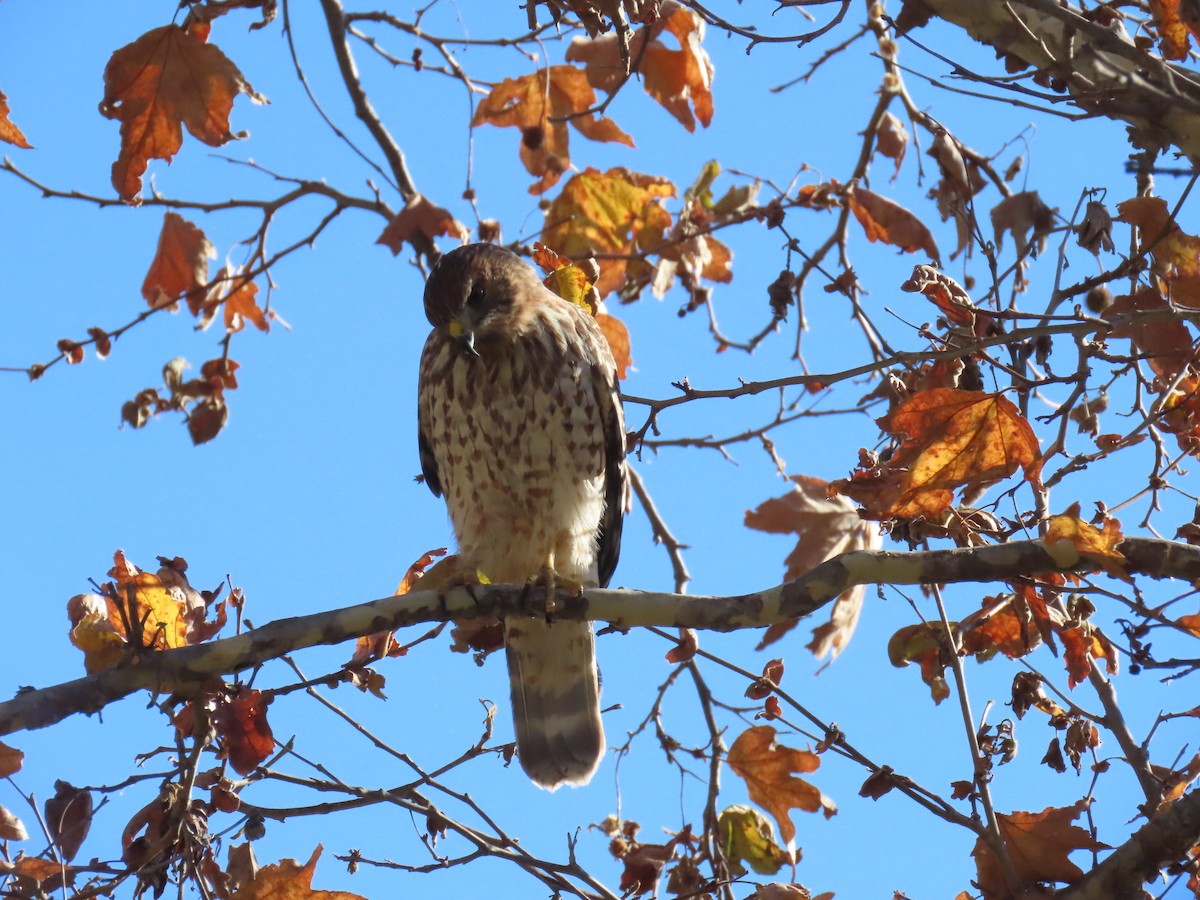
(520,427)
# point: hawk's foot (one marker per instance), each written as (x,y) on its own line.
(550,582)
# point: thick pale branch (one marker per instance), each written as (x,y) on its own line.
(187,669)
(1102,71)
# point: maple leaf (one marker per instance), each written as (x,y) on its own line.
(679,80)
(1038,845)
(241,303)
(948,439)
(825,527)
(1173,251)
(540,105)
(10,133)
(166,79)
(179,269)
(884,220)
(1175,21)
(1094,545)
(288,879)
(241,724)
(419,216)
(767,769)
(613,213)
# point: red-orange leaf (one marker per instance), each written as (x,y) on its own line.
(180,266)
(883,220)
(540,105)
(767,769)
(241,723)
(948,439)
(1175,21)
(1038,845)
(419,216)
(288,880)
(1092,544)
(10,133)
(166,79)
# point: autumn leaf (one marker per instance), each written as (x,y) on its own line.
(370,647)
(420,217)
(825,527)
(1003,625)
(1173,251)
(747,836)
(241,304)
(679,80)
(68,817)
(11,827)
(1038,845)
(1175,21)
(927,644)
(11,760)
(617,336)
(164,80)
(1025,217)
(884,220)
(767,769)
(948,296)
(1082,644)
(613,213)
(948,439)
(10,133)
(288,880)
(241,724)
(891,140)
(179,269)
(540,105)
(1091,544)
(165,610)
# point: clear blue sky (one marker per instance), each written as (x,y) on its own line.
(307,499)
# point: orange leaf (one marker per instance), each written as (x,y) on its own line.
(288,880)
(617,336)
(1175,21)
(241,724)
(10,133)
(180,265)
(1092,544)
(10,760)
(241,304)
(1174,252)
(1009,629)
(825,527)
(608,213)
(1080,644)
(540,105)
(883,220)
(1038,845)
(165,79)
(419,216)
(1166,342)
(679,80)
(767,770)
(948,439)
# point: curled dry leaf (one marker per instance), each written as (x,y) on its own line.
(288,879)
(1176,21)
(420,217)
(767,768)
(746,836)
(1026,218)
(825,527)
(166,79)
(891,139)
(11,827)
(10,133)
(884,220)
(11,760)
(241,724)
(68,818)
(540,105)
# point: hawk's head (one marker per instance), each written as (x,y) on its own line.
(477,291)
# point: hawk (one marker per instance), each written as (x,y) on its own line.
(520,428)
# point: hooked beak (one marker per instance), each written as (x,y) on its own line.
(463,333)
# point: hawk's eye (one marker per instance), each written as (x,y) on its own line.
(475,298)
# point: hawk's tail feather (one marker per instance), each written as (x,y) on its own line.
(555,698)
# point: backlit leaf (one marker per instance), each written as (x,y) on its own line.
(884,220)
(241,724)
(419,216)
(164,80)
(1038,845)
(10,133)
(179,269)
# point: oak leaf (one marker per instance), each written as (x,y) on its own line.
(10,133)
(947,439)
(887,221)
(419,216)
(617,213)
(1038,845)
(825,527)
(540,105)
(288,880)
(179,270)
(166,79)
(767,768)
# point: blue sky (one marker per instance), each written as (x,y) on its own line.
(307,499)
